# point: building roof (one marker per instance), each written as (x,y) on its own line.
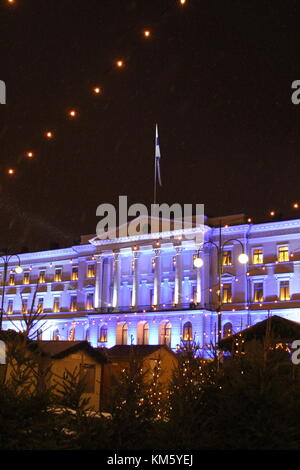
(279,329)
(120,353)
(61,349)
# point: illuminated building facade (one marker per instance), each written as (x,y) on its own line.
(146,290)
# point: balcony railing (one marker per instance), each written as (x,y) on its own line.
(149,308)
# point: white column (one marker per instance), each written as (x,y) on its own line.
(157,282)
(178,277)
(98,285)
(135,280)
(116,280)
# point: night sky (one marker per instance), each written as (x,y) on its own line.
(216,76)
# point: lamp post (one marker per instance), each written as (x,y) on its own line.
(6,259)
(198,263)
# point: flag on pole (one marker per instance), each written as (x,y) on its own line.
(157,156)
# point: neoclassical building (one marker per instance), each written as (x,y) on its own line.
(146,289)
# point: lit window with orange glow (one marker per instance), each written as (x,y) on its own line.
(11,281)
(74,276)
(187,331)
(284,290)
(57,275)
(90,302)
(283,254)
(24,306)
(257,257)
(10,306)
(91,272)
(56,305)
(226,293)
(41,278)
(73,306)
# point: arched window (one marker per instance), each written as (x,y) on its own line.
(56,335)
(187,331)
(143,333)
(71,336)
(227,330)
(103,334)
(165,333)
(122,333)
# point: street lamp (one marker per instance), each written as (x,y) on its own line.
(198,263)
(6,259)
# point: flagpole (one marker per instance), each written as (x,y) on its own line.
(154,196)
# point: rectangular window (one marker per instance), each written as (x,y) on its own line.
(90,302)
(226,258)
(91,270)
(74,276)
(56,304)
(11,281)
(26,278)
(258,256)
(284,290)
(41,278)
(88,375)
(10,306)
(57,275)
(258,292)
(24,306)
(174,263)
(227,294)
(40,306)
(73,306)
(283,254)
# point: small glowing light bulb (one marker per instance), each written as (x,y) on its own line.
(296,205)
(97,90)
(11,171)
(272,213)
(11,1)
(249,221)
(182,2)
(120,63)
(147,33)
(72,113)
(29,154)
(49,134)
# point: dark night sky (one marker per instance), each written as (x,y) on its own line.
(216,76)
